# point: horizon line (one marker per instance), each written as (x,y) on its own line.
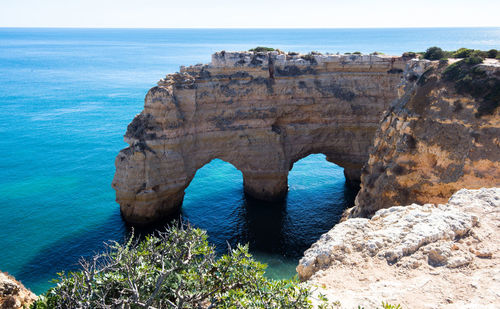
(242,28)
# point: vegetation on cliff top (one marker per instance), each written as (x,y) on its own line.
(470,79)
(467,77)
(173,269)
(436,53)
(259,49)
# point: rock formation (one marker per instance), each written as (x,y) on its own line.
(261,112)
(419,256)
(439,137)
(13,295)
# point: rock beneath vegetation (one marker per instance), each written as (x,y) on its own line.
(419,256)
(13,294)
(261,112)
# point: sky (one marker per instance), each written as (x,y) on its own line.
(249,13)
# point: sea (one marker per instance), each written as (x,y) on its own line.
(66,98)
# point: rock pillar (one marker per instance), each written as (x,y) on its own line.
(266,185)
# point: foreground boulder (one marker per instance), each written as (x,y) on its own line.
(13,294)
(419,256)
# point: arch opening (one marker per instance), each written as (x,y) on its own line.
(277,232)
(318,195)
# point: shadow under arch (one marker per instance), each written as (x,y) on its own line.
(317,197)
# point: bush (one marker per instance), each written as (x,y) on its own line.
(259,49)
(462,53)
(471,79)
(479,53)
(492,53)
(473,60)
(356,53)
(173,269)
(434,53)
(409,55)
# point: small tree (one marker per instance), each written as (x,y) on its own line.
(433,53)
(492,53)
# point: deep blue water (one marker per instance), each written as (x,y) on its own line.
(66,98)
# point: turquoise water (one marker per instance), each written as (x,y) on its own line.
(66,98)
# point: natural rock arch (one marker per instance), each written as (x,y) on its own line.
(261,112)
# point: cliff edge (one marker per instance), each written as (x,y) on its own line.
(419,256)
(441,135)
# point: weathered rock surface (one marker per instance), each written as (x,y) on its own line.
(261,112)
(432,141)
(419,256)
(13,294)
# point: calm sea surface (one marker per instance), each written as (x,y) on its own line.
(66,97)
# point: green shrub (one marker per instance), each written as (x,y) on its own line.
(473,60)
(173,269)
(410,55)
(471,79)
(259,49)
(479,53)
(462,53)
(492,53)
(434,53)
(356,53)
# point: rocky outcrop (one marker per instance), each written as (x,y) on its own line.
(260,112)
(440,136)
(13,294)
(419,256)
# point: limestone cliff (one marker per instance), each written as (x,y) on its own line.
(13,294)
(440,136)
(259,111)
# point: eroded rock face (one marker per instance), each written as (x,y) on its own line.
(13,294)
(433,141)
(260,112)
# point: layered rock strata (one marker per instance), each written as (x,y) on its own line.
(13,295)
(261,112)
(440,136)
(419,256)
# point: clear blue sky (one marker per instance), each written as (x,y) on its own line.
(249,13)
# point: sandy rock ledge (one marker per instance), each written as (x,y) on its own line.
(419,256)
